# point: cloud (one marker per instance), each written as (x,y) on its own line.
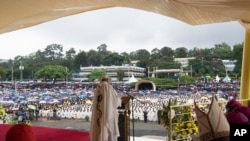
(121,29)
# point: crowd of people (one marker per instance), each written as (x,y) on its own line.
(74,100)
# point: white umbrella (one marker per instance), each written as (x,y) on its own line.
(42,102)
(55,101)
(10,102)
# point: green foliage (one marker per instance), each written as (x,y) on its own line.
(207,62)
(163,64)
(120,74)
(96,74)
(86,118)
(113,59)
(3,73)
(52,72)
(181,52)
(187,79)
(237,55)
(164,83)
(165,114)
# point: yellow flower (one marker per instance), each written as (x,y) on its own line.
(184,133)
(28,122)
(181,124)
(2,112)
(190,131)
(189,125)
(196,130)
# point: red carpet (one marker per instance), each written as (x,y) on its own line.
(50,134)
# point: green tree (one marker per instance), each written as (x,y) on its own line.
(120,75)
(143,56)
(237,55)
(96,74)
(166,53)
(113,59)
(52,72)
(69,59)
(53,51)
(155,54)
(94,59)
(102,53)
(196,66)
(223,51)
(162,64)
(126,59)
(81,59)
(181,52)
(3,73)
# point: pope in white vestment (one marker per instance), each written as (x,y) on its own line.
(104,119)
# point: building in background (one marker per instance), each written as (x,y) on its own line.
(183,61)
(129,71)
(229,64)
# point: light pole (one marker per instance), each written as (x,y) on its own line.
(191,71)
(66,70)
(178,85)
(12,71)
(21,68)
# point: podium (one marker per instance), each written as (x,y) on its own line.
(124,119)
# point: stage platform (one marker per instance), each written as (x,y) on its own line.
(55,134)
(148,138)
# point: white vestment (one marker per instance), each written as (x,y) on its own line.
(104,119)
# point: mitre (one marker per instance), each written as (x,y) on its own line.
(213,124)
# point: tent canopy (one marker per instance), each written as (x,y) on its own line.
(16,14)
(131,80)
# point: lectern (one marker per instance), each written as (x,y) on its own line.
(124,119)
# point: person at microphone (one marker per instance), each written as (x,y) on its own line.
(104,119)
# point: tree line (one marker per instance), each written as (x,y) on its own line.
(207,60)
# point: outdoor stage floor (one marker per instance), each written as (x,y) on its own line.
(78,130)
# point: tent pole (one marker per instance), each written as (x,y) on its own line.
(245,72)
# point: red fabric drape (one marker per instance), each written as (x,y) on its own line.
(50,134)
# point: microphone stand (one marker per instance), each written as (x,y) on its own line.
(133,119)
(132,112)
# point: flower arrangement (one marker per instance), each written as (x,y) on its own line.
(10,119)
(3,114)
(178,121)
(184,130)
(28,122)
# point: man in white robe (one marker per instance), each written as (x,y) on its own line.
(104,119)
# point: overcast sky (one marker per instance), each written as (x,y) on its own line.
(121,29)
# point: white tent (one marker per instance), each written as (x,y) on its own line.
(227,79)
(217,78)
(132,79)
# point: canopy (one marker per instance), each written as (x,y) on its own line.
(217,78)
(16,14)
(227,79)
(132,79)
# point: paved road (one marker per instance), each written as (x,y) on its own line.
(140,128)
